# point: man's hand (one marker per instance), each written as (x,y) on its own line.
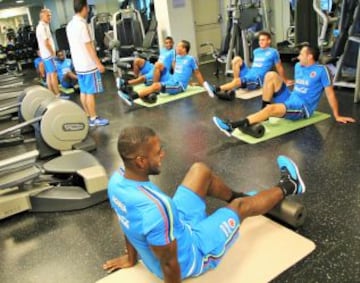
(345,120)
(118,263)
(289,82)
(100,67)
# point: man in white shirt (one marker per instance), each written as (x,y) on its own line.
(47,50)
(86,63)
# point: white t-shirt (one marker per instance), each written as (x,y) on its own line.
(78,34)
(43,33)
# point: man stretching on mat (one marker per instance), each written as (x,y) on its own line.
(173,236)
(310,81)
(265,58)
(147,72)
(185,66)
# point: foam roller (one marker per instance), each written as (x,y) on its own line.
(256,130)
(152,98)
(226,95)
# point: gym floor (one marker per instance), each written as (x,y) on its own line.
(71,246)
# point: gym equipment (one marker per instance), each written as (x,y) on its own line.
(74,180)
(152,98)
(279,127)
(255,130)
(59,124)
(163,98)
(264,250)
(226,95)
(248,94)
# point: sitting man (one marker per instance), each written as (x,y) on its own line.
(310,81)
(64,68)
(40,68)
(185,65)
(173,236)
(147,72)
(265,58)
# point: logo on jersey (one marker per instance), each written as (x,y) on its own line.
(267,53)
(232,223)
(313,74)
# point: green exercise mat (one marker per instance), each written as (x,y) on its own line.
(165,98)
(66,90)
(275,127)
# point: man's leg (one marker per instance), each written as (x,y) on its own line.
(128,98)
(55,83)
(290,183)
(137,66)
(236,64)
(48,82)
(158,69)
(272,84)
(84,104)
(136,81)
(91,105)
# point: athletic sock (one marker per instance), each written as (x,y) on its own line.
(93,118)
(264,103)
(287,185)
(241,123)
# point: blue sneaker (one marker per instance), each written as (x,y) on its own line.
(126,97)
(98,122)
(223,126)
(290,180)
(210,89)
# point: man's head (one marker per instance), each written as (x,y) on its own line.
(308,55)
(183,47)
(60,55)
(169,42)
(81,7)
(264,39)
(45,15)
(141,150)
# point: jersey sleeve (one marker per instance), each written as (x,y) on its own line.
(325,77)
(158,222)
(84,34)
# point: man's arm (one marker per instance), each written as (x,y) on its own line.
(90,48)
(199,76)
(125,261)
(167,256)
(331,97)
(49,47)
(280,69)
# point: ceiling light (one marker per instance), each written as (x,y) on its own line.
(19,1)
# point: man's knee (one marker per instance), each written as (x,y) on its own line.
(159,65)
(237,60)
(156,86)
(200,168)
(272,77)
(275,110)
(139,62)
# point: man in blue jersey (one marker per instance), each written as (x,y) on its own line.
(310,81)
(64,67)
(185,66)
(265,58)
(147,72)
(174,237)
(40,68)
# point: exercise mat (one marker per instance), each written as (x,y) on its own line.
(264,250)
(275,127)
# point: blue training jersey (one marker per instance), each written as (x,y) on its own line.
(184,68)
(148,217)
(264,60)
(310,82)
(167,56)
(63,67)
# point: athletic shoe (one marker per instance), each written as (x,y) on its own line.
(223,126)
(210,89)
(98,122)
(126,97)
(290,180)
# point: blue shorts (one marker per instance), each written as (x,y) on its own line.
(250,81)
(148,67)
(282,94)
(49,64)
(172,87)
(66,84)
(213,234)
(165,76)
(90,83)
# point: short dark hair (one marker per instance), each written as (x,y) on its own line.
(79,5)
(186,45)
(131,139)
(314,51)
(169,38)
(265,33)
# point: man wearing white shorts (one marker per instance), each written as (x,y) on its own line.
(86,63)
(47,50)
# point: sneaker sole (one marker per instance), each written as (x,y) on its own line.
(120,94)
(300,180)
(209,90)
(221,129)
